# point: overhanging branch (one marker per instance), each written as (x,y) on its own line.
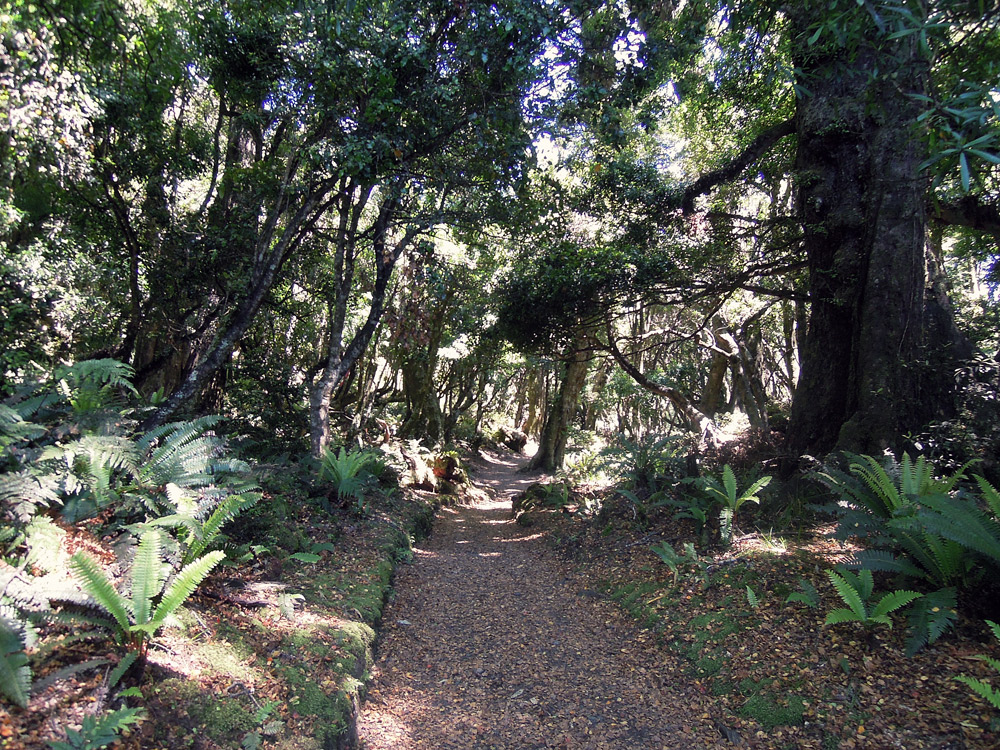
(734,168)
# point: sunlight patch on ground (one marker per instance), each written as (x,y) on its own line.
(519,539)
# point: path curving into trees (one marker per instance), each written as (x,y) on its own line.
(490,643)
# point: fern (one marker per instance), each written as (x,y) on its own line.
(138,618)
(15,673)
(856,591)
(345,471)
(200,539)
(98,732)
(981,687)
(725,493)
(930,617)
(674,560)
(807,594)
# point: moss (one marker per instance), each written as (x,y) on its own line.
(770,713)
(330,711)
(222,720)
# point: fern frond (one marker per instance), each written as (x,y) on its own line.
(885,561)
(962,522)
(990,495)
(892,601)
(100,588)
(227,510)
(147,575)
(101,372)
(23,492)
(848,592)
(838,616)
(123,666)
(15,673)
(729,482)
(189,578)
(807,594)
(885,498)
(983,689)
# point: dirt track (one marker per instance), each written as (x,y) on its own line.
(490,644)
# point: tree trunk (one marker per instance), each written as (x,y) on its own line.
(424,419)
(861,203)
(552,443)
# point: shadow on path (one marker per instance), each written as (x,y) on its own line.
(487,644)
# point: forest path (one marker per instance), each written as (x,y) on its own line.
(488,643)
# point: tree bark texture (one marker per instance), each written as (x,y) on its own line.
(861,202)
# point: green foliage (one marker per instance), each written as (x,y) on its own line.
(99,731)
(135,618)
(674,560)
(920,528)
(807,594)
(15,672)
(980,687)
(930,617)
(349,473)
(857,589)
(725,493)
(647,463)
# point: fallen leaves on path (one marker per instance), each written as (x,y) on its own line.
(496,641)
(489,645)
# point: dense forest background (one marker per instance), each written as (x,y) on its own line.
(715,253)
(633,218)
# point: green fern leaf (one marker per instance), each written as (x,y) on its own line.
(807,594)
(729,482)
(123,666)
(892,601)
(990,495)
(147,575)
(995,628)
(750,495)
(982,689)
(228,509)
(189,578)
(98,586)
(838,616)
(990,661)
(849,593)
(15,673)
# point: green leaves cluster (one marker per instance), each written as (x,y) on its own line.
(921,528)
(72,446)
(856,589)
(726,495)
(980,687)
(136,617)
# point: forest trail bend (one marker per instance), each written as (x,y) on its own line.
(488,644)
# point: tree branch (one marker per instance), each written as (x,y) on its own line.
(731,170)
(969,212)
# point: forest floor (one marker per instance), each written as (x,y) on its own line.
(555,629)
(569,633)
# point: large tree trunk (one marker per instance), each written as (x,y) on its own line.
(552,442)
(861,202)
